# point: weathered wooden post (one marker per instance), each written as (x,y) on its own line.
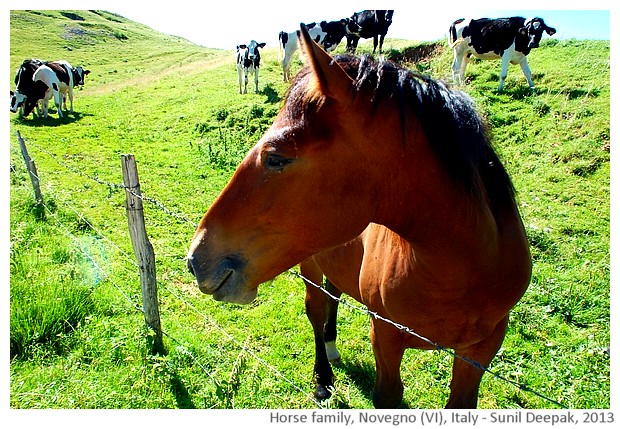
(144,252)
(32,170)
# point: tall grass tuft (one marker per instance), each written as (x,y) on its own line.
(50,294)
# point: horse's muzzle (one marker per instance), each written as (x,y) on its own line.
(225,280)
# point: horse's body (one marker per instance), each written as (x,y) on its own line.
(384,182)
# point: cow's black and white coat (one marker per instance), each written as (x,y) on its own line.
(25,87)
(509,39)
(373,24)
(248,62)
(38,80)
(326,34)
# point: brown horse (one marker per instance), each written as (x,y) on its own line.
(384,181)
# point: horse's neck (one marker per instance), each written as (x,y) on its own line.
(437,220)
(423,206)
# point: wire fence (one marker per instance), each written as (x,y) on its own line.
(244,347)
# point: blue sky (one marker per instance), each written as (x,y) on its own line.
(228,23)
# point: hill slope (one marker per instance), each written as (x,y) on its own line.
(114,47)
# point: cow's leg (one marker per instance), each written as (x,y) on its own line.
(70,100)
(45,101)
(44,104)
(504,72)
(459,64)
(353,45)
(245,81)
(381,38)
(63,101)
(320,310)
(240,77)
(527,72)
(286,67)
(465,376)
(256,78)
(388,345)
(58,100)
(375,41)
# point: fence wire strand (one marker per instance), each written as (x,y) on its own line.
(364,310)
(180,346)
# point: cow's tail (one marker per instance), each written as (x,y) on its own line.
(452,40)
(280,44)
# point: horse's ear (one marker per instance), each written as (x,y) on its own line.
(331,80)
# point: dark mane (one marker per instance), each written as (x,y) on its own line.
(455,131)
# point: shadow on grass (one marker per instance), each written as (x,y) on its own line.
(180,392)
(52,120)
(363,377)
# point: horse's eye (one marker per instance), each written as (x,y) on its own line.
(276,162)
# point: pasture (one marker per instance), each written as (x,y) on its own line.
(77,340)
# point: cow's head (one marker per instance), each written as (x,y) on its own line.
(38,93)
(351,26)
(252,52)
(534,29)
(78,76)
(17,100)
(336,30)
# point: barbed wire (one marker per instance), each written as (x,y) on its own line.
(116,186)
(364,310)
(435,345)
(106,276)
(182,348)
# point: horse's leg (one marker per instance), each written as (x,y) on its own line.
(388,345)
(465,377)
(317,303)
(331,316)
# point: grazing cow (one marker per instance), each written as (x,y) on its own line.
(48,86)
(66,78)
(510,39)
(373,23)
(326,34)
(248,61)
(57,76)
(24,85)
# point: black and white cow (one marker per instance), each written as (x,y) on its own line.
(248,61)
(47,75)
(25,86)
(326,34)
(38,80)
(510,39)
(373,24)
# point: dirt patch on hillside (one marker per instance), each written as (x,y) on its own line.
(417,54)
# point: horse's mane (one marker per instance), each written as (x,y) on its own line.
(454,129)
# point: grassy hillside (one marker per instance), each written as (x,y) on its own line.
(77,340)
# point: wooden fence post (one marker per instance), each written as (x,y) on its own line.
(32,170)
(144,252)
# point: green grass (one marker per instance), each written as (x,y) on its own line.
(77,340)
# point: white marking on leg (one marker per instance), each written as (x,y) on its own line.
(332,352)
